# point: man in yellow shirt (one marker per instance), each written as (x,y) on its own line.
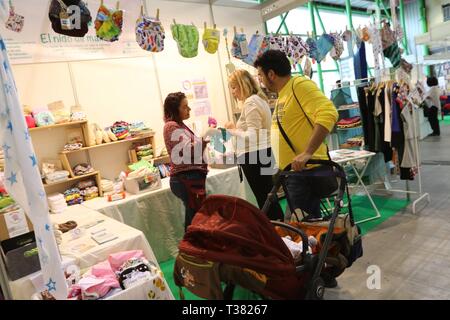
(306,116)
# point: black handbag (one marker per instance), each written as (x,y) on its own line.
(321,186)
(61,19)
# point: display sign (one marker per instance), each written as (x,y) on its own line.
(37,42)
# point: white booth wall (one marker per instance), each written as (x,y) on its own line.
(133,88)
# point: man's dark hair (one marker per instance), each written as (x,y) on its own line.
(432,81)
(172,105)
(274,60)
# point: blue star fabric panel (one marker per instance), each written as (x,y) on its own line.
(23,180)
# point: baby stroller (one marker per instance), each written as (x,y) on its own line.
(232,242)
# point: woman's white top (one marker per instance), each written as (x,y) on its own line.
(253,127)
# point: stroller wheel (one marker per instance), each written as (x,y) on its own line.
(316,290)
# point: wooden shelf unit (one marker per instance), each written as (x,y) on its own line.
(147,138)
(59,125)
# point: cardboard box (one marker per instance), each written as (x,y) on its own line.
(13,222)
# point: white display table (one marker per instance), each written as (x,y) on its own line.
(84,251)
(159,214)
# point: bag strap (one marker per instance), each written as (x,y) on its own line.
(283,133)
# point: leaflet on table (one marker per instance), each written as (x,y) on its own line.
(102,236)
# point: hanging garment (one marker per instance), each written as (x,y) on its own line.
(387,35)
(360,62)
(377,120)
(398,137)
(307,68)
(187,39)
(211,40)
(257,46)
(324,45)
(370,98)
(338,46)
(377,47)
(393,54)
(387,114)
(364,112)
(239,47)
(384,147)
(108,24)
(15,21)
(409,159)
(347,36)
(313,51)
(61,21)
(277,43)
(297,48)
(150,34)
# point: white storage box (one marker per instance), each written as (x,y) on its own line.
(142,184)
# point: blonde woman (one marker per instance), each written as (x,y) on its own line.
(252,133)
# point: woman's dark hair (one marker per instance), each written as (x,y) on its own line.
(274,60)
(172,105)
(432,81)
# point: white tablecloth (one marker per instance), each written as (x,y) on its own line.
(128,238)
(159,214)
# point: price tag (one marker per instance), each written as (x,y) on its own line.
(66,23)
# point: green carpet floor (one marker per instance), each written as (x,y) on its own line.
(362,209)
(445,121)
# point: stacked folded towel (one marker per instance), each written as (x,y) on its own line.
(107,185)
(57,203)
(56,176)
(82,169)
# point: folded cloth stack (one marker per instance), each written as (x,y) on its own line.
(120,129)
(73,146)
(56,176)
(349,122)
(88,189)
(144,152)
(82,169)
(107,185)
(57,203)
(89,193)
(73,196)
(138,128)
(355,141)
